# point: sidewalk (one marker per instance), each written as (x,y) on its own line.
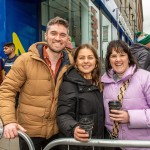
(9,144)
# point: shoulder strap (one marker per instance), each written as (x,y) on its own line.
(122,90)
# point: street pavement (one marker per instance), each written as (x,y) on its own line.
(9,144)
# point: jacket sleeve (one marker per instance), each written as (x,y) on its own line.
(8,89)
(142,58)
(140,118)
(66,109)
(147,62)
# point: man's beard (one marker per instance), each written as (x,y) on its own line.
(55,51)
(8,54)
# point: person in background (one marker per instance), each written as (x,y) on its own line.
(37,74)
(9,50)
(1,68)
(141,50)
(134,116)
(69,44)
(81,98)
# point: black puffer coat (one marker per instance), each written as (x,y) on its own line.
(90,104)
(142,55)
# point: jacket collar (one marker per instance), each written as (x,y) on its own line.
(73,76)
(129,72)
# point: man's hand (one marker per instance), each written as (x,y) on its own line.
(10,130)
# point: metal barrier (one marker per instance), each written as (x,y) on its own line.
(100,143)
(1,128)
(27,139)
(21,134)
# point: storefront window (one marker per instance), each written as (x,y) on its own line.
(114,33)
(106,37)
(76,12)
(123,38)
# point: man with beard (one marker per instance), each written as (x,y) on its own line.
(9,50)
(37,74)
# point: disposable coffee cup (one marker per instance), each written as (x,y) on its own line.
(87,125)
(115,105)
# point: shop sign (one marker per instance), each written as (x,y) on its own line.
(114,10)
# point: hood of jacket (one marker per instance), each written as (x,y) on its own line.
(138,47)
(36,50)
(72,75)
(129,72)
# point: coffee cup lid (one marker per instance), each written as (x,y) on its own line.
(114,102)
(86,121)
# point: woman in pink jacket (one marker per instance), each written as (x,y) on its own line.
(134,117)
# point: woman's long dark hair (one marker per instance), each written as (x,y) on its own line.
(96,73)
(118,46)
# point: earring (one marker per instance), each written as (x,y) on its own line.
(96,66)
(75,66)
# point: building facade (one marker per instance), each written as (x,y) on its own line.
(132,12)
(90,21)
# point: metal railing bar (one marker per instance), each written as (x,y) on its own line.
(21,134)
(27,139)
(100,143)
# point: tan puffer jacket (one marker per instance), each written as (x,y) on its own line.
(38,94)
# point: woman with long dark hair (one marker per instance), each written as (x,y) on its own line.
(80,96)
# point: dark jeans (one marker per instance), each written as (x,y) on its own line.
(39,143)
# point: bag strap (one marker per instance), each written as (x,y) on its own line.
(122,90)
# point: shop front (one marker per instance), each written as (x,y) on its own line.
(90,21)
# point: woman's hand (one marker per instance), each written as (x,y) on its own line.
(80,134)
(120,116)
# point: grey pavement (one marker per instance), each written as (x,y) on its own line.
(9,144)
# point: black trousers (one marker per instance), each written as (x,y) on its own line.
(39,143)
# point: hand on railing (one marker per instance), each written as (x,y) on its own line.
(10,130)
(15,130)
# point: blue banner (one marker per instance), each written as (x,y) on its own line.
(19,23)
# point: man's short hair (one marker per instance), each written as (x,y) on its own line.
(57,20)
(10,44)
